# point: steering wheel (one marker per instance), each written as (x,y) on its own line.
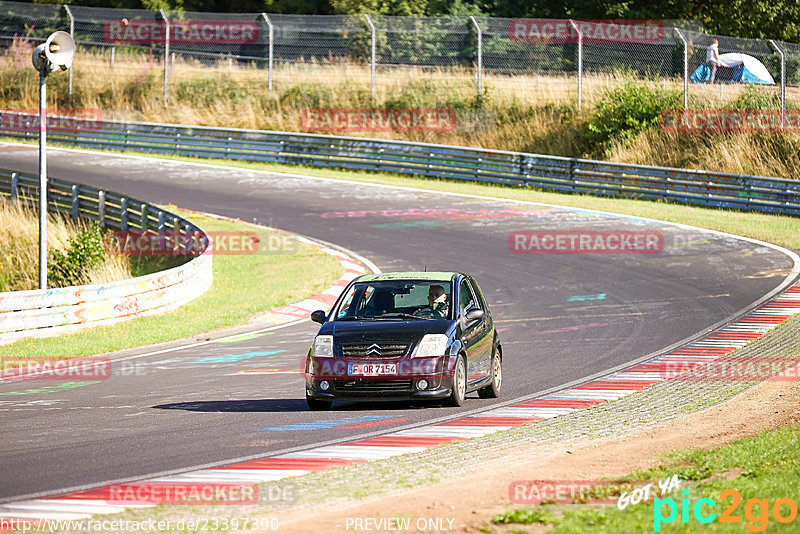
(427,311)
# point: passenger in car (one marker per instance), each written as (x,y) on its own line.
(382,302)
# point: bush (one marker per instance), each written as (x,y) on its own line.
(85,252)
(626,111)
(756,98)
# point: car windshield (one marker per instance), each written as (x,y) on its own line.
(396,300)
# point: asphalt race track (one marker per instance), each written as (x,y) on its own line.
(561,316)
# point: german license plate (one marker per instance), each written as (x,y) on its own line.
(371,369)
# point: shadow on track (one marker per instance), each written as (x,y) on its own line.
(286,405)
(254,405)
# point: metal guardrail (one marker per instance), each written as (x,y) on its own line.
(41,313)
(570,175)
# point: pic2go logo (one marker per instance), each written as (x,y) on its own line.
(756,511)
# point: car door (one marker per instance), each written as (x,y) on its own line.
(486,342)
(484,336)
(473,335)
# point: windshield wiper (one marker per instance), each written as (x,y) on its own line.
(356,318)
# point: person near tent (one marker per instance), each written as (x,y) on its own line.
(744,69)
(712,58)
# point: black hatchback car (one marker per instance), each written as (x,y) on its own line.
(405,336)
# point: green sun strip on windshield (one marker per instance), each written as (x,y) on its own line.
(410,276)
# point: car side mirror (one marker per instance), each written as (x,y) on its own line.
(474,315)
(318,316)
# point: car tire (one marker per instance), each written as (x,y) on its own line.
(459,391)
(492,391)
(317,405)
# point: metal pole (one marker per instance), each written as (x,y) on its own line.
(166,55)
(43,175)
(71,34)
(480,59)
(783,82)
(685,69)
(271,37)
(580,62)
(372,59)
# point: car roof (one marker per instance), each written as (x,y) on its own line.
(409,275)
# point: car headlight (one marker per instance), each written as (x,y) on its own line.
(431,345)
(323,346)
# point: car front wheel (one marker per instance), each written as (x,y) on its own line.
(459,384)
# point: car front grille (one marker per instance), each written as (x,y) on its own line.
(370,386)
(374,350)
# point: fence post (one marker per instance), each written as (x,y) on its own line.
(101,208)
(71,34)
(271,37)
(143,222)
(123,214)
(372,58)
(14,186)
(580,62)
(479,74)
(685,68)
(783,81)
(76,201)
(113,48)
(166,54)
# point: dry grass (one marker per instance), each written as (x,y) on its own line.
(526,113)
(19,244)
(762,155)
(19,248)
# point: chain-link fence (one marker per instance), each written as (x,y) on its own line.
(533,59)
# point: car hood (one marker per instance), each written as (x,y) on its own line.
(372,331)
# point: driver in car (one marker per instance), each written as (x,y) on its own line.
(437,303)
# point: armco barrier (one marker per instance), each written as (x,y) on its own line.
(41,313)
(572,175)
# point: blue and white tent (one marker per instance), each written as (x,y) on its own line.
(746,69)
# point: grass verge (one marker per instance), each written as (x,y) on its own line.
(244,286)
(745,479)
